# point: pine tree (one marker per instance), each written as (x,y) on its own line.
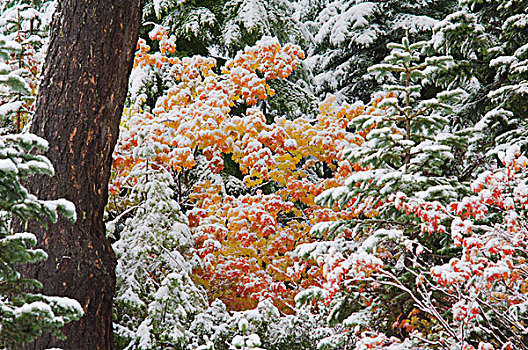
(26,25)
(504,124)
(409,149)
(488,42)
(13,83)
(350,36)
(25,314)
(409,145)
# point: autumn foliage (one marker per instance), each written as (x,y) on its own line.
(483,285)
(249,241)
(245,242)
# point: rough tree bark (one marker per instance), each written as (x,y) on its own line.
(78,110)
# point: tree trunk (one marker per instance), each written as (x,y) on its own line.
(78,110)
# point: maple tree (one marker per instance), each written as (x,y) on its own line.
(244,242)
(251,224)
(250,239)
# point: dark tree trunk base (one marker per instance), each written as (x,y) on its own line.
(78,111)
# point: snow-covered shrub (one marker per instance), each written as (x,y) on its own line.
(156,299)
(262,327)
